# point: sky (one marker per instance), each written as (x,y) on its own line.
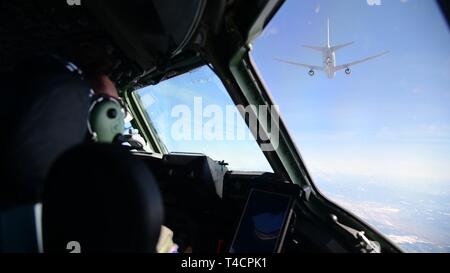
(392,115)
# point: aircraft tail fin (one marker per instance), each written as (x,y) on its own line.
(328,33)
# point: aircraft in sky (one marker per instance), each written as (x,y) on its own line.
(329,58)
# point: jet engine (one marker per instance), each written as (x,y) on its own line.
(348,71)
(311,72)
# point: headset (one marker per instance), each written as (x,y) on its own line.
(106,117)
(106,122)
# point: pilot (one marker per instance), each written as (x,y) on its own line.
(95,65)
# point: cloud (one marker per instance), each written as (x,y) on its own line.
(270,31)
(404,1)
(317,9)
(374,2)
(147,100)
(422,133)
(329,136)
(385,166)
(407,239)
(417,152)
(418,90)
(408,86)
(446,71)
(377,214)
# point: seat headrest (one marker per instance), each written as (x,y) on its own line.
(104,199)
(44,107)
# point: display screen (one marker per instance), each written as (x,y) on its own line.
(262,223)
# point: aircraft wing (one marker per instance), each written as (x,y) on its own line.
(345,66)
(313,67)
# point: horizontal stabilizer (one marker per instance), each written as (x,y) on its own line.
(336,48)
(317,48)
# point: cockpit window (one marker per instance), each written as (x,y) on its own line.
(193,113)
(364,88)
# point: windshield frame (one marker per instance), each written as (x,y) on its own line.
(243,82)
(144,123)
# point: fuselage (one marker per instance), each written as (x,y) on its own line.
(329,62)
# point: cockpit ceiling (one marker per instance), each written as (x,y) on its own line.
(135,36)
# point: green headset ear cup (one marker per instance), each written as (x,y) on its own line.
(107,120)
